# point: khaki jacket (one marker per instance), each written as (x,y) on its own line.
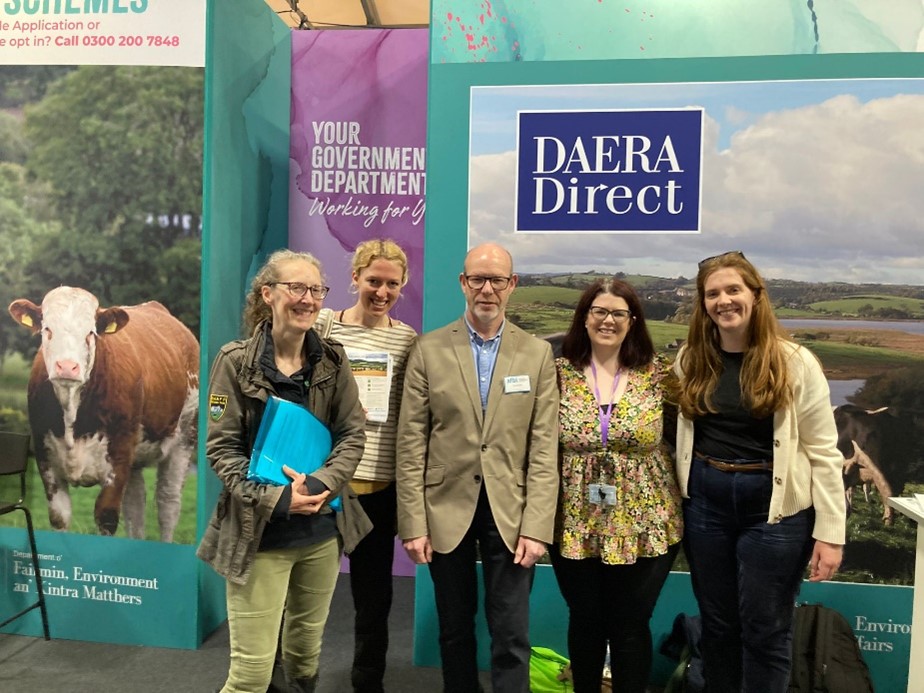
(447,448)
(233,534)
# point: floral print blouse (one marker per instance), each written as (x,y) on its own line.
(647,517)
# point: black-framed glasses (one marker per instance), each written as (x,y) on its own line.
(737,253)
(600,314)
(477,283)
(299,289)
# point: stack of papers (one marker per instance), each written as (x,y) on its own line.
(291,436)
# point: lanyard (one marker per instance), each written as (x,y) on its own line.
(605,412)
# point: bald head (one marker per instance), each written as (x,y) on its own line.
(493,253)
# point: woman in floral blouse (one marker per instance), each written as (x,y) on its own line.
(619,522)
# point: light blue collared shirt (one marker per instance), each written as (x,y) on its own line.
(484,351)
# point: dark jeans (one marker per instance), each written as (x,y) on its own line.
(371,585)
(610,604)
(506,589)
(746,576)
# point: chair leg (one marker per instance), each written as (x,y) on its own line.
(38,574)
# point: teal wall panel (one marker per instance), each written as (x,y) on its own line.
(246,178)
(879,615)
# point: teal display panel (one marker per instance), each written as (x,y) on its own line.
(248,68)
(879,615)
(103,590)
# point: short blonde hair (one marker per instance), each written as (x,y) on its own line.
(255,309)
(368,252)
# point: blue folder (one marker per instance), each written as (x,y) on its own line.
(289,435)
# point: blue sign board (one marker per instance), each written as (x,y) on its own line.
(609,171)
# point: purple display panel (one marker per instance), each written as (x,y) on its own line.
(357,151)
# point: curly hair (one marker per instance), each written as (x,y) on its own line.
(255,309)
(637,348)
(765,383)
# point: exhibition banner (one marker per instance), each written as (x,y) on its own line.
(102,32)
(808,166)
(358,165)
(99,350)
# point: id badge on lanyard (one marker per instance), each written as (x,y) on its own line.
(603,494)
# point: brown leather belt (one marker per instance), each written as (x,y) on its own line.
(723,466)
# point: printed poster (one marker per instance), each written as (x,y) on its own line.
(100,281)
(358,152)
(102,32)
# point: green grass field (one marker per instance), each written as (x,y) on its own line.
(852,305)
(14,379)
(846,358)
(84,499)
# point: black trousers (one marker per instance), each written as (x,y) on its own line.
(611,604)
(371,585)
(506,589)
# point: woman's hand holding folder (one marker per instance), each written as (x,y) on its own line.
(302,503)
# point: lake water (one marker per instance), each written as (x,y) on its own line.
(841,389)
(910,326)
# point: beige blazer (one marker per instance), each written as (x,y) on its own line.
(447,449)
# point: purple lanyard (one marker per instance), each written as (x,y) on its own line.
(605,411)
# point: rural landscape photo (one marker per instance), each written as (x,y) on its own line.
(814,182)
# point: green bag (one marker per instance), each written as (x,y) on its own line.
(549,672)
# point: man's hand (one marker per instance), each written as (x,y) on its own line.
(528,552)
(419,549)
(302,503)
(826,559)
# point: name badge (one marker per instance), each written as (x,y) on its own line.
(516,383)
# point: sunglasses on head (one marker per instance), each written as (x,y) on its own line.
(737,253)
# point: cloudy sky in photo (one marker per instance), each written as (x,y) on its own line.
(814,180)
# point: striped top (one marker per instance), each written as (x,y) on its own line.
(378,462)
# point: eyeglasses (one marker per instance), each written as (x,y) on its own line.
(737,253)
(298,289)
(600,314)
(477,283)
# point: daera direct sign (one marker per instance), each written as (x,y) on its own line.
(609,171)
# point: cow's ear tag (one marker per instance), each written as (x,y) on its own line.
(26,320)
(111,328)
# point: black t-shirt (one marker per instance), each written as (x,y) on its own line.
(732,433)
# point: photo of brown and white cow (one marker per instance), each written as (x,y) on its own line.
(111,390)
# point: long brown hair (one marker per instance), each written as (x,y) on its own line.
(764,376)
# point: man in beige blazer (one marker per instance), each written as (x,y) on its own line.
(477,458)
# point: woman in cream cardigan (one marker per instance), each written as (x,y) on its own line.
(760,474)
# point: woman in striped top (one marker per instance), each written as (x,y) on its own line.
(375,343)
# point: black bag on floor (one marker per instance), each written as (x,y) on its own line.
(825,654)
(683,645)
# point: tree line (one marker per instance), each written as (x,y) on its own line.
(100,187)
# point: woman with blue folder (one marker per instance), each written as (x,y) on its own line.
(377,345)
(278,546)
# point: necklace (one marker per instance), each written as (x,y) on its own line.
(605,411)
